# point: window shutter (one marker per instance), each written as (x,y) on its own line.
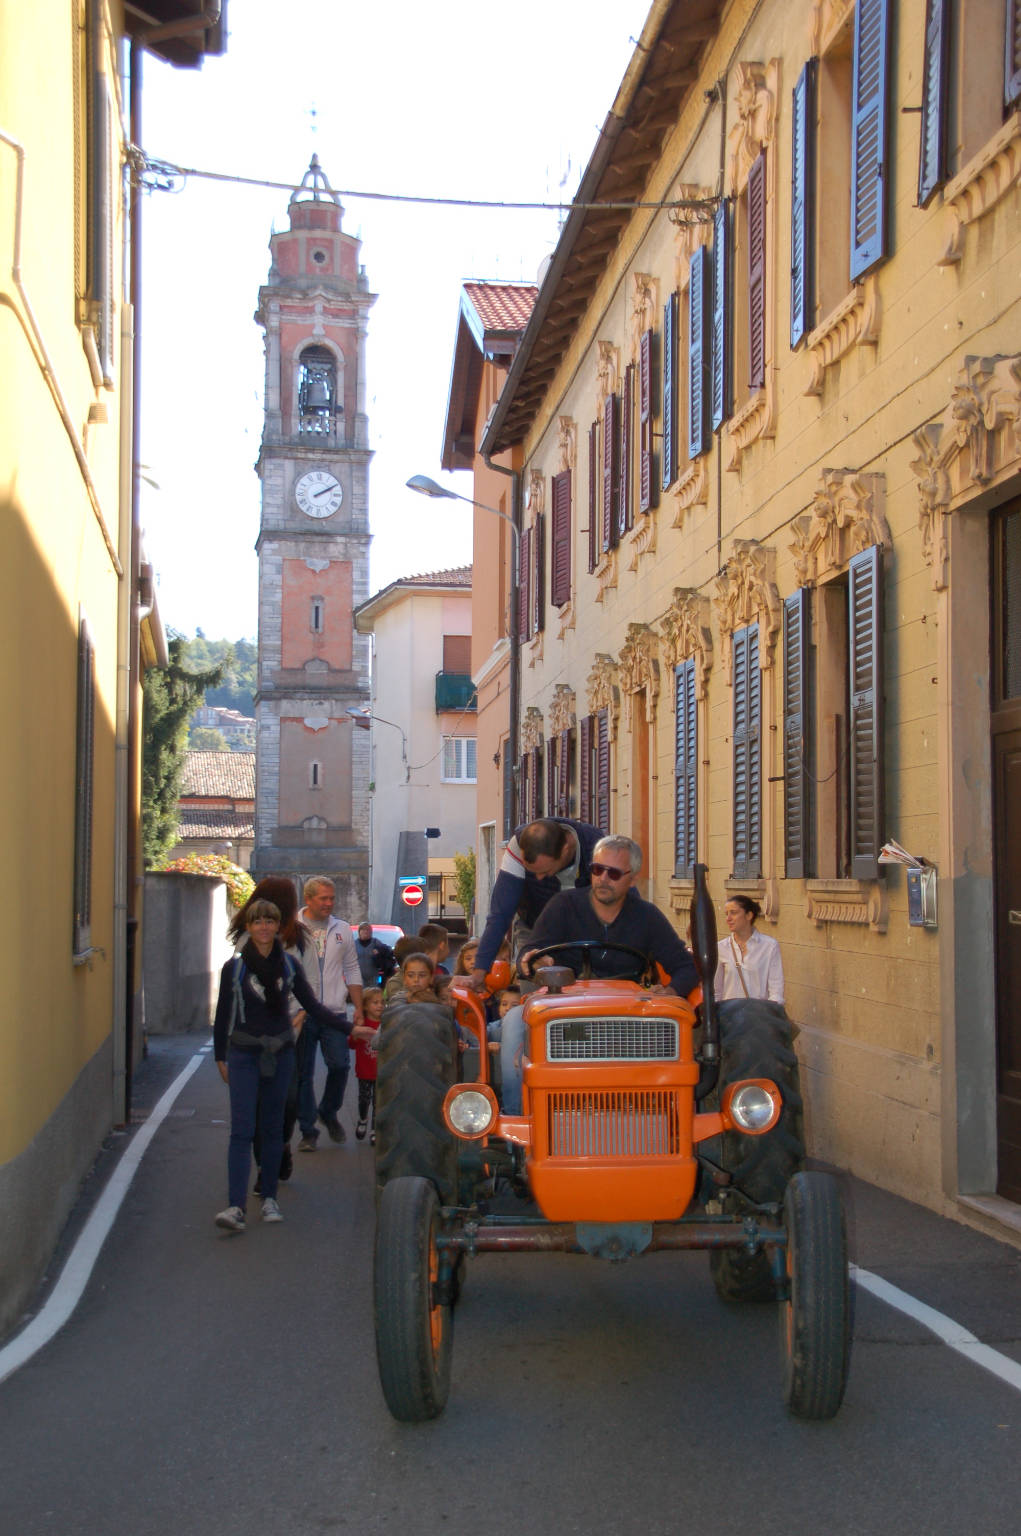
(524,585)
(721,315)
(603,771)
(538,593)
(803,204)
(1012,63)
(865,653)
(625,496)
(645,413)
(560,584)
(594,513)
(757,272)
(508,792)
(670,320)
(552,777)
(932,149)
(747,754)
(685,769)
(796,765)
(870,176)
(535,773)
(698,354)
(564,773)
(611,487)
(585,768)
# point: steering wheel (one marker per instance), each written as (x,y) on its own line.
(587,947)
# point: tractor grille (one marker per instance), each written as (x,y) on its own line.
(611,1040)
(638,1124)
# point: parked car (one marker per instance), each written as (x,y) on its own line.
(387,933)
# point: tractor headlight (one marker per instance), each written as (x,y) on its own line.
(754,1107)
(470,1109)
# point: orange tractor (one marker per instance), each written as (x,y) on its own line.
(649,1122)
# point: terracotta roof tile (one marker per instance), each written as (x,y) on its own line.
(208,821)
(221,775)
(502,306)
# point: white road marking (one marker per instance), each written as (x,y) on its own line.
(74,1277)
(943,1327)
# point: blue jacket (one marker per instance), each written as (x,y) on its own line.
(517,891)
(638,925)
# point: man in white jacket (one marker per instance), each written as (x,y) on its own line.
(339,978)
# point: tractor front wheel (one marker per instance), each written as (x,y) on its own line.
(815,1317)
(414,1326)
(416,1065)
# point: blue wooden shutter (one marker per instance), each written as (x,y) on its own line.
(560,578)
(757,272)
(721,365)
(685,769)
(796,736)
(698,354)
(1012,61)
(611,486)
(803,204)
(670,318)
(747,754)
(603,771)
(594,513)
(932,150)
(585,768)
(870,135)
(865,656)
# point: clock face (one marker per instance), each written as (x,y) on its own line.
(318,493)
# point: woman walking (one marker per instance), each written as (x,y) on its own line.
(253,1044)
(749,961)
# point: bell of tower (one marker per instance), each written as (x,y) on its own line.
(312,797)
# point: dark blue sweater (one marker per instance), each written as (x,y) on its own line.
(517,891)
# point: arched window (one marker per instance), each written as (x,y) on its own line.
(318,405)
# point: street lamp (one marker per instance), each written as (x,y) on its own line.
(426,487)
(364,721)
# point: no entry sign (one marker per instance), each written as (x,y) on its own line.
(411,895)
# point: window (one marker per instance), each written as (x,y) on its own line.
(315,775)
(317,615)
(317,391)
(870,135)
(459,761)
(457,653)
(960,112)
(722,390)
(509,817)
(685,769)
(531,579)
(747,754)
(84,772)
(700,344)
(803,135)
(595,517)
(611,474)
(833,724)
(646,411)
(560,576)
(559,766)
(670,381)
(594,770)
(532,783)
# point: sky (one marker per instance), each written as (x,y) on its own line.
(451,99)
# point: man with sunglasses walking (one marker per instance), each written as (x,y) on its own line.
(608,913)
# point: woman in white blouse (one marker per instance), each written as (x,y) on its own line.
(750,964)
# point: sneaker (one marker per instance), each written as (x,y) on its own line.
(271,1211)
(372,1138)
(286,1164)
(307,1144)
(334,1129)
(232,1219)
(360,1130)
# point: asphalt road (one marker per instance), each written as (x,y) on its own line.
(216,1384)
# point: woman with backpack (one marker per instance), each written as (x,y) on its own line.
(253,1044)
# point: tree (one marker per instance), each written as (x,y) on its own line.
(206,738)
(170,696)
(464,880)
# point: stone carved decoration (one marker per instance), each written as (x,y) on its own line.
(562,712)
(644,309)
(535,496)
(639,668)
(827,19)
(567,444)
(603,692)
(605,574)
(318,565)
(746,593)
(642,538)
(685,630)
(847,516)
(854,322)
(755,98)
(692,487)
(566,618)
(531,729)
(983,182)
(692,227)
(607,373)
(848,901)
(535,648)
(316,722)
(316,665)
(975,443)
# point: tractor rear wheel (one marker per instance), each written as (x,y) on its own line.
(416,1066)
(815,1317)
(414,1326)
(755,1041)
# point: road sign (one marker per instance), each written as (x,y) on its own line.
(411,880)
(411,895)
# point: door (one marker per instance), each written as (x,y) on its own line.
(1006,756)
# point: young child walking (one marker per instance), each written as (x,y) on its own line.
(364,1038)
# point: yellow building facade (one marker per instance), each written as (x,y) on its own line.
(75,600)
(770,586)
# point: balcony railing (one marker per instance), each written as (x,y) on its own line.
(454,690)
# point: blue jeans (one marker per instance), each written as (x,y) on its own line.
(512,1044)
(249,1091)
(337,1057)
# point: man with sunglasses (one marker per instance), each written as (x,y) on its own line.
(609,912)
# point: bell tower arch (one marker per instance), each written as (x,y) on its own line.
(312,805)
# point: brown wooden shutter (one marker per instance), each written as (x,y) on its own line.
(796,736)
(535,772)
(871,172)
(564,775)
(645,409)
(524,579)
(594,510)
(603,771)
(747,754)
(625,497)
(670,318)
(457,653)
(585,768)
(865,657)
(611,487)
(560,580)
(552,777)
(685,769)
(538,592)
(757,272)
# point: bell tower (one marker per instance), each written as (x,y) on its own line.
(312,806)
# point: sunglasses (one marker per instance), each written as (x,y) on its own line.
(609,871)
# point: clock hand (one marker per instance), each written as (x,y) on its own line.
(327,490)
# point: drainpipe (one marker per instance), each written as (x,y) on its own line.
(512,634)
